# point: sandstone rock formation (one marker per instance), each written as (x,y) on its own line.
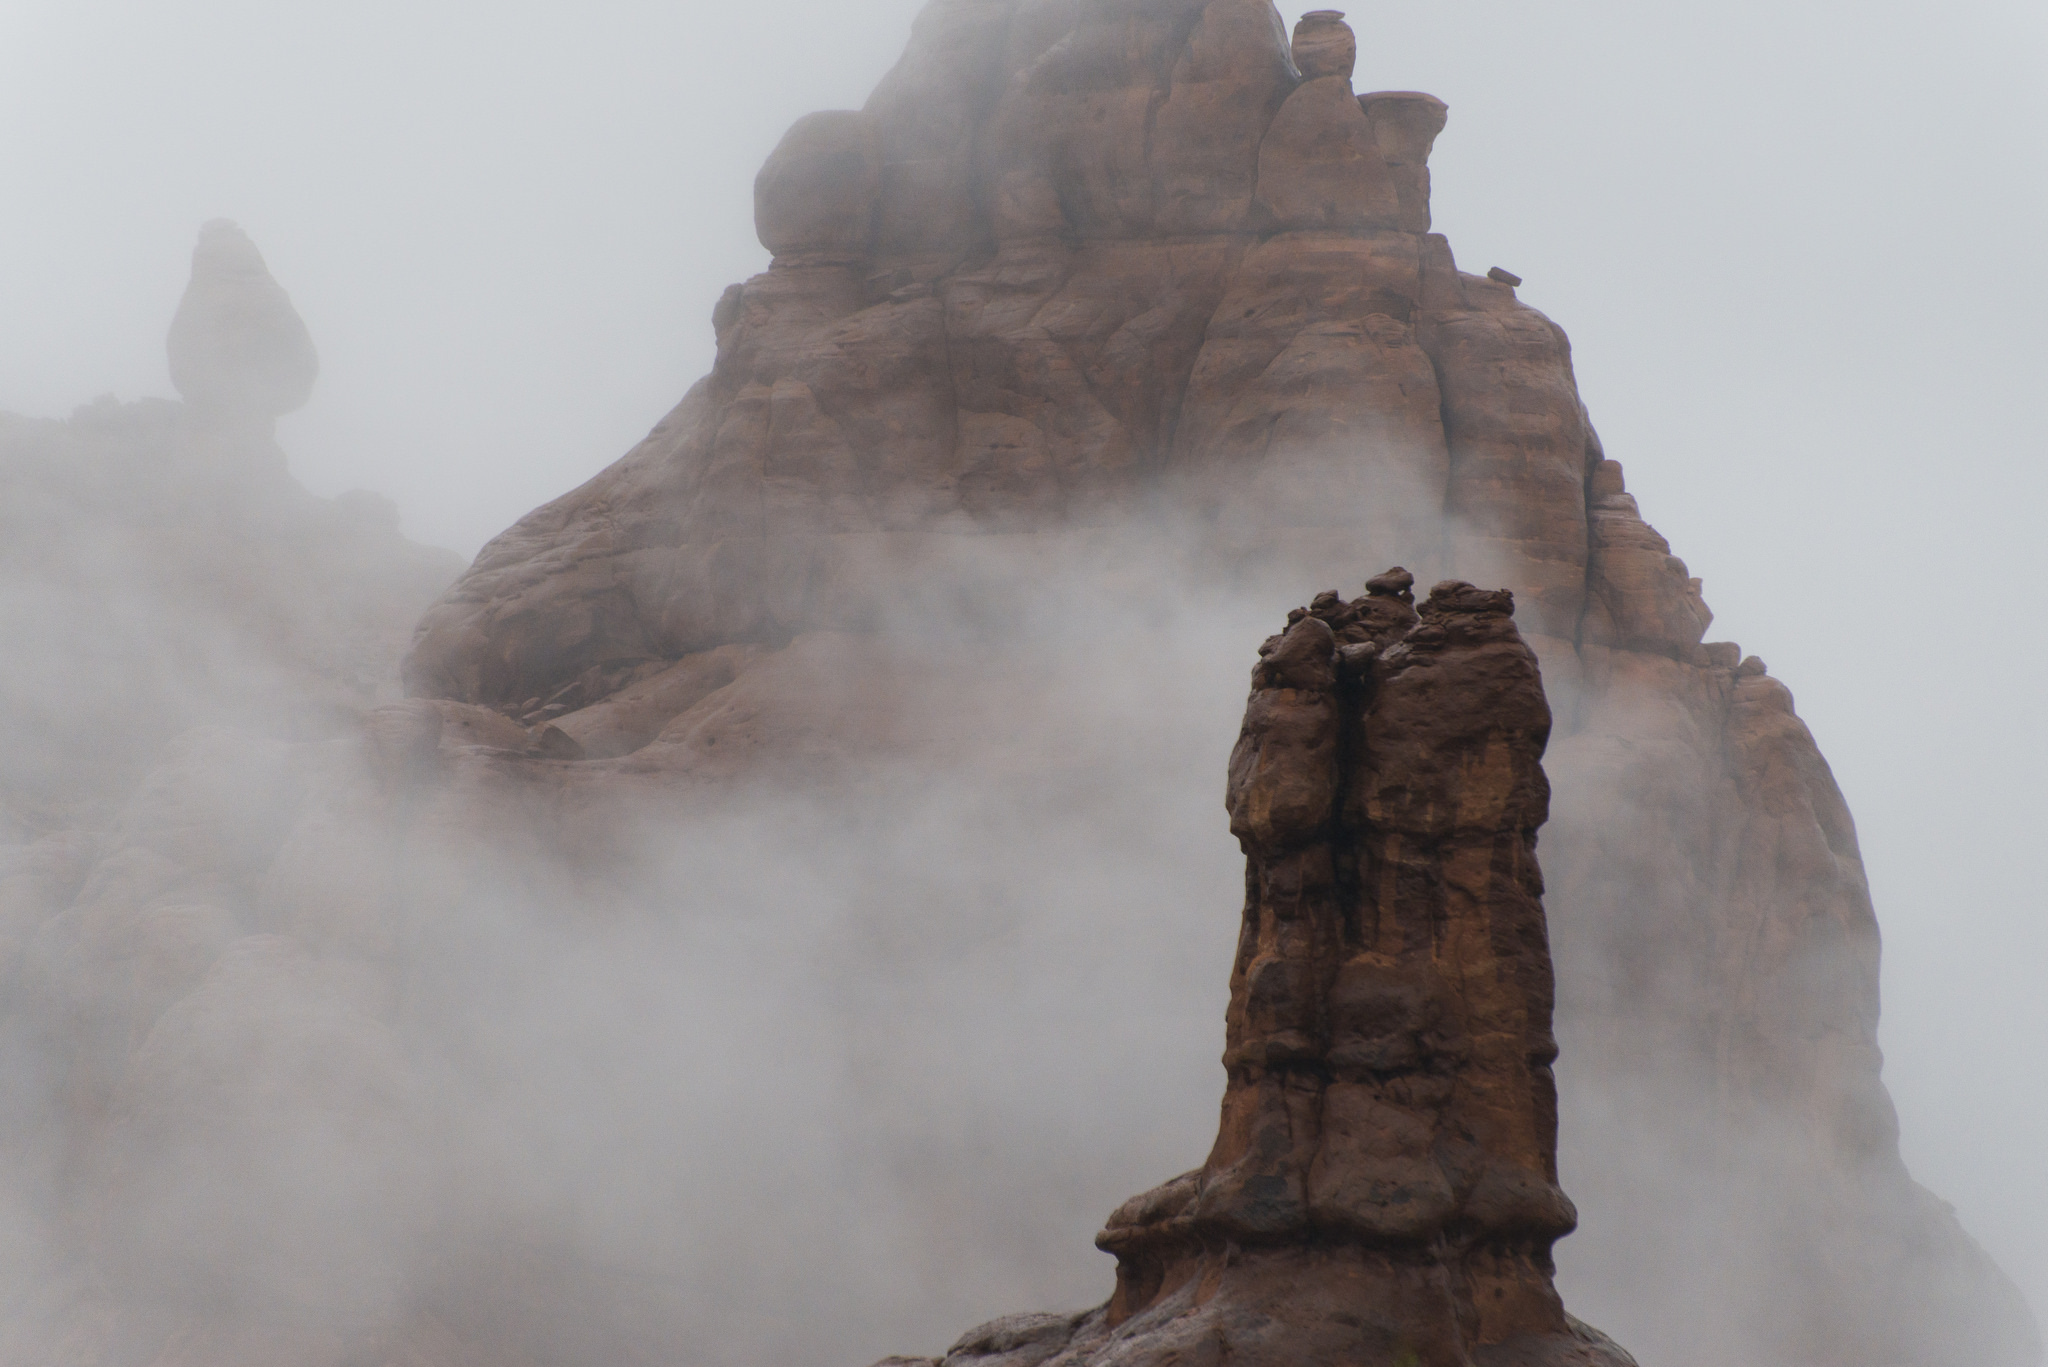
(191,637)
(1080,268)
(1384,1182)
(161,567)
(216,1149)
(239,351)
(1128,297)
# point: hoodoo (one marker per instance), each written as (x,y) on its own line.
(1384,1184)
(239,351)
(160,560)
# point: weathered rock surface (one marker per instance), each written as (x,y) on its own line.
(1383,1186)
(1384,1182)
(1290,347)
(1080,266)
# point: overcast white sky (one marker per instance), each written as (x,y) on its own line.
(1801,247)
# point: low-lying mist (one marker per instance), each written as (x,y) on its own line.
(827,1024)
(838,1020)
(814,1054)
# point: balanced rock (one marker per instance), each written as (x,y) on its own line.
(169,570)
(1324,45)
(237,347)
(204,1151)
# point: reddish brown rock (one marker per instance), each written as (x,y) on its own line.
(1642,598)
(1205,137)
(816,197)
(1383,1186)
(1121,312)
(1147,256)
(1406,123)
(1320,164)
(1324,45)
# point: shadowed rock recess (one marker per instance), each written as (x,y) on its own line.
(1082,262)
(1384,1183)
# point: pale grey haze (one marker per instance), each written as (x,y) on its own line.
(1797,245)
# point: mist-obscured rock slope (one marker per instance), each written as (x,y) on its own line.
(1089,266)
(160,567)
(189,635)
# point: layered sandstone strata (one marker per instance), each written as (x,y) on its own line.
(1128,289)
(1045,277)
(1076,266)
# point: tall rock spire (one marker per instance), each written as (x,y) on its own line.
(238,349)
(1383,1188)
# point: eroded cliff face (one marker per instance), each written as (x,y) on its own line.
(1063,267)
(1082,267)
